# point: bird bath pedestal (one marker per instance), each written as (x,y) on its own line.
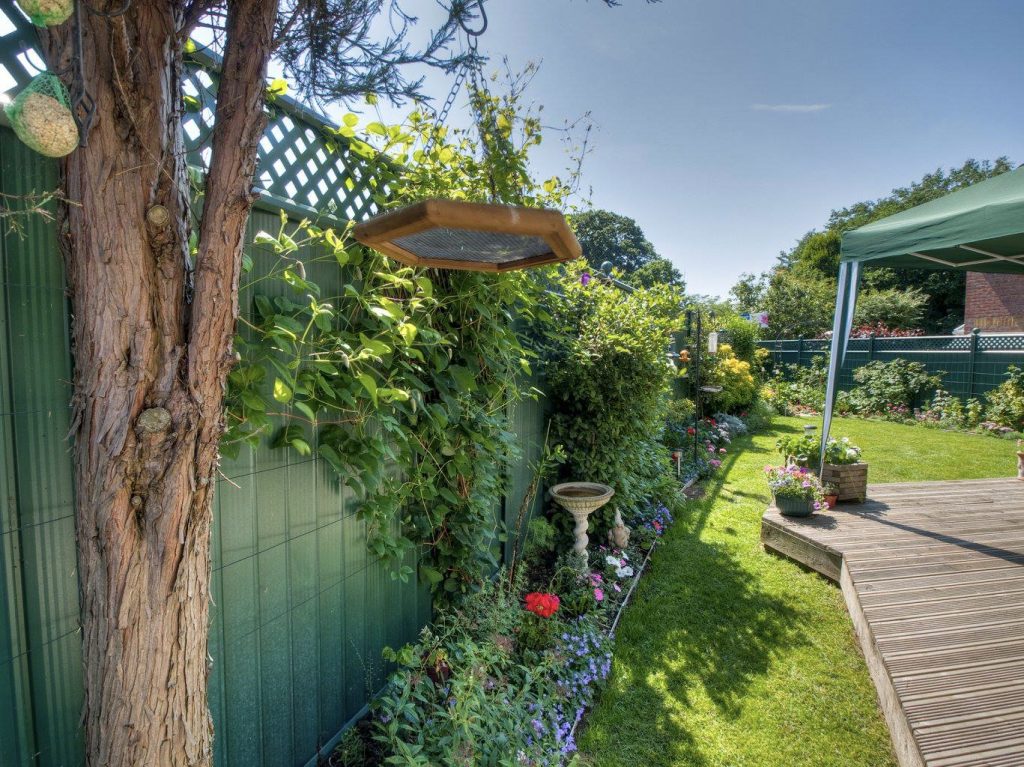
(581,499)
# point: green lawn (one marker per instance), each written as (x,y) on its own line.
(730,656)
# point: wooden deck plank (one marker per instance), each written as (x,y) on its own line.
(933,576)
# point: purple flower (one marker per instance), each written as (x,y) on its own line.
(585,279)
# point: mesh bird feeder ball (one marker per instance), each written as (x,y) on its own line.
(47,13)
(449,234)
(41,117)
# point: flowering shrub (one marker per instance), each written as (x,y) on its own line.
(838,451)
(795,482)
(1006,403)
(890,387)
(735,376)
(949,411)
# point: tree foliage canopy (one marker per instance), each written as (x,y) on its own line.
(611,237)
(799,292)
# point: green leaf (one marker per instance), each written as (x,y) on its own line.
(408,332)
(350,120)
(278,87)
(281,391)
(369,384)
(432,576)
(305,409)
(464,379)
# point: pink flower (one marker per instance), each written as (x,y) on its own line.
(721,451)
(617,587)
(599,595)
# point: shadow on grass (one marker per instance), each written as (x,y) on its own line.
(702,626)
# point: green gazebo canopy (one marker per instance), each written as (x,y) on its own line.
(980,229)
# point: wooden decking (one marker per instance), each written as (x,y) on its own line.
(933,575)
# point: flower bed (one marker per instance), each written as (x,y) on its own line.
(506,677)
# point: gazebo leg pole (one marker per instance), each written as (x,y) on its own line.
(846,300)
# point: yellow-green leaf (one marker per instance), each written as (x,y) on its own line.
(281,391)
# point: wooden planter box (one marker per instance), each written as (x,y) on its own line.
(851,480)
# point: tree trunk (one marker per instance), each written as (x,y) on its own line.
(150,368)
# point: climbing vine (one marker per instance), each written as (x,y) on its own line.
(403,380)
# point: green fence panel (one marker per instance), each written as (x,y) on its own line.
(970,365)
(40,649)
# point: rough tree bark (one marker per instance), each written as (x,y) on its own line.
(150,367)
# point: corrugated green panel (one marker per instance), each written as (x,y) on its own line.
(276,685)
(40,608)
(305,636)
(354,606)
(241,724)
(529,421)
(294,649)
(216,650)
(332,660)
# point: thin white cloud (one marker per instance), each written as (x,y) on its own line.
(799,108)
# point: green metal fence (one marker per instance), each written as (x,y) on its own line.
(970,365)
(301,610)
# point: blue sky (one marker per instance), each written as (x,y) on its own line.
(728,128)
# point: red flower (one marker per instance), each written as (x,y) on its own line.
(691,431)
(542,604)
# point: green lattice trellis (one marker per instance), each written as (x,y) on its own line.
(303,164)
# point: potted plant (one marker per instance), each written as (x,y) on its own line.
(831,493)
(844,469)
(796,490)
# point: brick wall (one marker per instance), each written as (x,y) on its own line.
(995,302)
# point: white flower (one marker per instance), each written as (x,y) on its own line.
(613,561)
(624,572)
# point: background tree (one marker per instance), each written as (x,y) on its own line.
(155,301)
(812,265)
(660,271)
(606,236)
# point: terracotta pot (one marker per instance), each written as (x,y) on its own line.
(831,501)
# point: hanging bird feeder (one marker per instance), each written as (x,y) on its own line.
(480,237)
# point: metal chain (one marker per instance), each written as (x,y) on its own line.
(471,63)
